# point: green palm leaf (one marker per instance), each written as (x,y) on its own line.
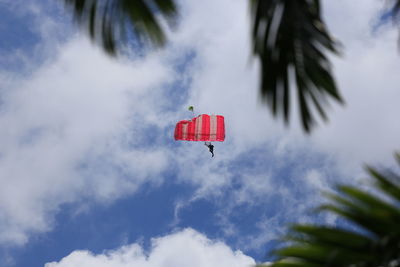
(110,21)
(376,244)
(290,39)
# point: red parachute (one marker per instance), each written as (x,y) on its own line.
(204,127)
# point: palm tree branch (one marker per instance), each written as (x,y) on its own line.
(324,255)
(387,186)
(371,203)
(367,220)
(328,236)
(291,34)
(108,22)
(294,262)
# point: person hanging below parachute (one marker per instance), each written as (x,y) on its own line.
(210,147)
(206,128)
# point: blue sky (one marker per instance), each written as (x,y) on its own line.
(90,174)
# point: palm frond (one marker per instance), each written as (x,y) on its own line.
(290,39)
(376,244)
(109,22)
(395,7)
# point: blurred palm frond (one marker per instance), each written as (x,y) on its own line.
(376,243)
(108,22)
(290,39)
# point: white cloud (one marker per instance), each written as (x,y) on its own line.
(366,130)
(314,178)
(184,248)
(67,135)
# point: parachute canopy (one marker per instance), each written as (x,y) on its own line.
(202,128)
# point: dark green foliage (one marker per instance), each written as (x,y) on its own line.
(109,21)
(378,242)
(291,40)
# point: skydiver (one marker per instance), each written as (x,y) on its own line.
(210,147)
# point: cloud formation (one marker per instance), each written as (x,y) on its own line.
(67,135)
(184,248)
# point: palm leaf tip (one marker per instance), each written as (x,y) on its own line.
(388,183)
(109,22)
(395,9)
(290,39)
